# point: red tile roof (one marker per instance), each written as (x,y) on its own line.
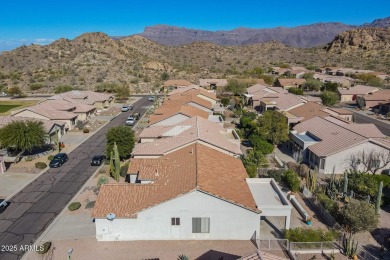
(195,167)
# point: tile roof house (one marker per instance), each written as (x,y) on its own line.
(53,129)
(377,100)
(191,99)
(280,102)
(287,83)
(328,145)
(99,100)
(341,80)
(349,94)
(159,140)
(255,93)
(339,112)
(172,84)
(304,112)
(213,83)
(210,96)
(57,110)
(189,194)
(167,116)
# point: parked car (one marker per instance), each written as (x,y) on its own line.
(136,116)
(126,108)
(151,98)
(58,160)
(97,160)
(3,206)
(246,143)
(130,121)
(386,172)
(3,94)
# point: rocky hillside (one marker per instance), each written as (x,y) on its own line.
(94,58)
(370,40)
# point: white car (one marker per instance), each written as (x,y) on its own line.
(130,121)
(151,98)
(3,94)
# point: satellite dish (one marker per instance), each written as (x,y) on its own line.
(111,216)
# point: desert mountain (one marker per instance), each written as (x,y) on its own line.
(95,58)
(368,39)
(301,36)
(306,36)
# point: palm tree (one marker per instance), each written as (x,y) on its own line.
(23,135)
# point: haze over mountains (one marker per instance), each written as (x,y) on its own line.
(305,36)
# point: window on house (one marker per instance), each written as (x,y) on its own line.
(375,163)
(322,163)
(200,225)
(175,221)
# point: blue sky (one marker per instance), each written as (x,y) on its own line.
(26,22)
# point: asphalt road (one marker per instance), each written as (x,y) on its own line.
(38,204)
(365,119)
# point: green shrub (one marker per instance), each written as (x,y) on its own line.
(44,248)
(225,101)
(251,170)
(276,174)
(329,204)
(260,144)
(85,130)
(124,169)
(50,157)
(74,206)
(36,86)
(295,91)
(363,184)
(309,235)
(291,178)
(28,158)
(382,177)
(40,165)
(102,180)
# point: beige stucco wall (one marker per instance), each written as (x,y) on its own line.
(344,98)
(340,160)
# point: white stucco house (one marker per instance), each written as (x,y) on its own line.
(327,144)
(194,193)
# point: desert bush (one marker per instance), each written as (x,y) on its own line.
(309,235)
(124,169)
(74,206)
(28,158)
(44,248)
(102,180)
(85,130)
(79,124)
(329,204)
(50,157)
(40,165)
(276,174)
(292,180)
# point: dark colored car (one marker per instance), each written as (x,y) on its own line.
(58,160)
(386,172)
(246,143)
(136,116)
(97,160)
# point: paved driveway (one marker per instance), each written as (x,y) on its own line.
(36,206)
